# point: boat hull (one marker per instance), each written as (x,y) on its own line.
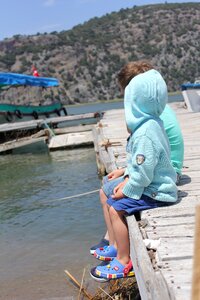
(192,99)
(191,95)
(17,113)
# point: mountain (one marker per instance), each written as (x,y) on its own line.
(87,58)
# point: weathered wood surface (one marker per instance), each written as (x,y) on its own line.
(70,140)
(40,122)
(70,129)
(21,143)
(169,274)
(64,137)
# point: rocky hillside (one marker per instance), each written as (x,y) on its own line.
(87,58)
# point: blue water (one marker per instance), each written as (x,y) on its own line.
(103,106)
(41,235)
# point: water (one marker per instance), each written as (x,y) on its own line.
(103,106)
(40,235)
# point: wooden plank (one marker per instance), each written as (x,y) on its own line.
(179,279)
(70,140)
(172,231)
(178,275)
(40,122)
(163,212)
(99,156)
(181,292)
(171,248)
(186,207)
(70,129)
(172,266)
(151,284)
(180,220)
(190,187)
(21,143)
(192,193)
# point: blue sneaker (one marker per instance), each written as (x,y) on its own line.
(101,244)
(95,276)
(106,253)
(113,270)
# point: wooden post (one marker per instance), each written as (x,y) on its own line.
(196,263)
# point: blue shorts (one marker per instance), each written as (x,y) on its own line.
(129,205)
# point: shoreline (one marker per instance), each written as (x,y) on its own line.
(177,93)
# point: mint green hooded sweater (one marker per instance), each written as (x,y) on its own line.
(175,137)
(148,155)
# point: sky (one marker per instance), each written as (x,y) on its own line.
(28,17)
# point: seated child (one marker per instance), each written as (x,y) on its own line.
(149,180)
(171,126)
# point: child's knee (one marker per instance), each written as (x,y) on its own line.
(113,213)
(103,197)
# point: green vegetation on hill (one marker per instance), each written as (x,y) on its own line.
(87,58)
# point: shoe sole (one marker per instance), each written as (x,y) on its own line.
(103,258)
(113,276)
(97,278)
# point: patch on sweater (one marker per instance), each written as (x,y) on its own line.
(140,158)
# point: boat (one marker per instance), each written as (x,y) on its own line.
(191,95)
(25,97)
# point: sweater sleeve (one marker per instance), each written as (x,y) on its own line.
(141,165)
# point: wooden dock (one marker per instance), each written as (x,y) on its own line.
(164,273)
(39,123)
(73,132)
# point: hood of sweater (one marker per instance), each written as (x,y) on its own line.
(145,98)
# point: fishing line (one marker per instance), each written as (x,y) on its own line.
(73,196)
(64,198)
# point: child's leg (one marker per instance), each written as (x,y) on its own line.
(120,229)
(105,207)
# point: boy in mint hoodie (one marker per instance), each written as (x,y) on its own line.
(149,180)
(175,137)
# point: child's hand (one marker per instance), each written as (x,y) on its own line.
(115,174)
(117,192)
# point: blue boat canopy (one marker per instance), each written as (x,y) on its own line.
(186,86)
(21,79)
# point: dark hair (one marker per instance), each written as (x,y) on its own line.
(132,69)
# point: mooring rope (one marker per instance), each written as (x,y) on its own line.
(74,196)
